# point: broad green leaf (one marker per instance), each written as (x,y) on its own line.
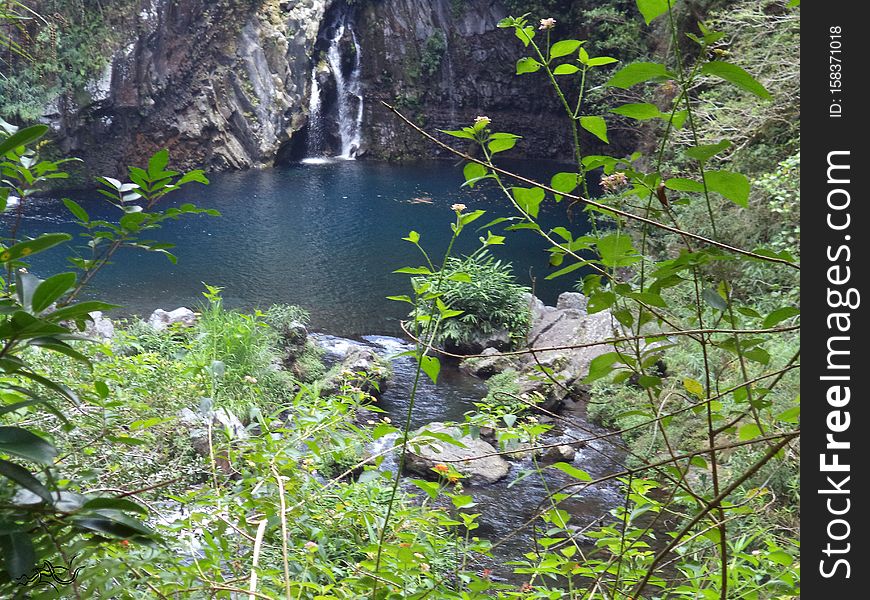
(734,186)
(566,69)
(748,432)
(681,184)
(525,34)
(597,126)
(25,479)
(565,183)
(572,471)
(18,553)
(50,290)
(790,415)
(650,9)
(638,72)
(121,504)
(20,442)
(473,172)
(640,111)
(529,199)
(413,237)
(616,250)
(458,133)
(779,315)
(564,48)
(705,152)
(401,298)
(430,487)
(693,387)
(76,209)
(734,74)
(431,366)
(22,137)
(34,246)
(599,61)
(713,298)
(78,310)
(528,65)
(502,143)
(601,366)
(157,163)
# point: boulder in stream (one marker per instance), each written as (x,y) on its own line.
(475,458)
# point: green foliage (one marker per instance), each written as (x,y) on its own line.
(433,52)
(66,49)
(485,290)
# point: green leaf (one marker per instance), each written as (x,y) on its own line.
(599,61)
(431,366)
(51,289)
(639,111)
(473,173)
(22,137)
(76,209)
(80,309)
(566,270)
(705,152)
(597,126)
(650,9)
(121,504)
(401,298)
(414,271)
(616,250)
(734,186)
(790,415)
(157,164)
(458,133)
(565,183)
(502,143)
(572,471)
(529,199)
(20,557)
(20,442)
(601,366)
(566,69)
(713,298)
(25,479)
(779,315)
(528,65)
(681,184)
(737,76)
(564,48)
(748,432)
(693,387)
(30,247)
(638,72)
(430,487)
(525,34)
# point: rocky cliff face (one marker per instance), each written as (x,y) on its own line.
(443,63)
(223,85)
(228,84)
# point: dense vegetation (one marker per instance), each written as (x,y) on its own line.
(276,486)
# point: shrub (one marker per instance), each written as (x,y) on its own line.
(491,301)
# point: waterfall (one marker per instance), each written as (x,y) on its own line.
(315,118)
(347,113)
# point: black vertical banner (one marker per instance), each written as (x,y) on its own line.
(835,252)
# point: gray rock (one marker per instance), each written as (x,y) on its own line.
(572,300)
(562,453)
(161,319)
(361,366)
(491,363)
(100,327)
(475,460)
(478,343)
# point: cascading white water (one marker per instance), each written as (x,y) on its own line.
(315,118)
(349,100)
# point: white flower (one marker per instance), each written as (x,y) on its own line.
(458,207)
(547,23)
